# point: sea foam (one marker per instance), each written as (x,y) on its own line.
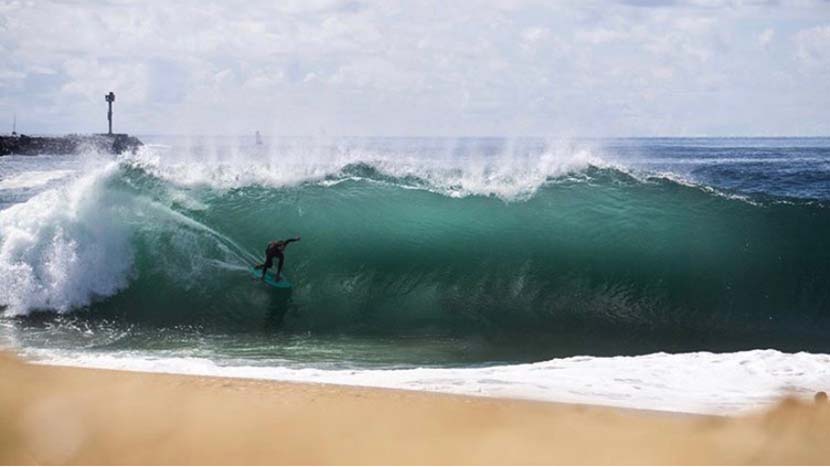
(33,179)
(699,382)
(63,247)
(512,172)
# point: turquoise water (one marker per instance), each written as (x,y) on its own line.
(421,252)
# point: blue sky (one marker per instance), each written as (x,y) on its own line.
(412,68)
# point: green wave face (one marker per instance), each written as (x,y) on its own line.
(596,259)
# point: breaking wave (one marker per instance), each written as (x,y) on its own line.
(561,248)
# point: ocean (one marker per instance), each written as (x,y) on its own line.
(684,274)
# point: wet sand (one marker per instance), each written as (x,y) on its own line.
(80,416)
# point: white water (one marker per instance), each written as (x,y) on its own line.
(701,382)
(63,247)
(510,174)
(33,179)
(71,244)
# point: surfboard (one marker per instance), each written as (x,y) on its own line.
(270,280)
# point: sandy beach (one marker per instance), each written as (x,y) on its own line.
(61,415)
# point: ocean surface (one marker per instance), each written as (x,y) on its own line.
(687,274)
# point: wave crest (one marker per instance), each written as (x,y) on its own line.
(511,174)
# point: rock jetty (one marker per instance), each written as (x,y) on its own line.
(69,144)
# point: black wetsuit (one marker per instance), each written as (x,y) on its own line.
(275,250)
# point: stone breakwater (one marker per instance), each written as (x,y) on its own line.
(69,144)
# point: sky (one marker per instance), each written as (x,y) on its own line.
(419,68)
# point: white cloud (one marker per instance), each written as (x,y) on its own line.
(813,46)
(599,36)
(535,34)
(765,37)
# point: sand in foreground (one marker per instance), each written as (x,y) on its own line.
(68,415)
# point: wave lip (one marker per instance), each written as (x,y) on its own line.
(511,174)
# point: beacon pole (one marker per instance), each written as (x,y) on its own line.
(110,99)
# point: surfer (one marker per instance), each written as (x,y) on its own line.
(275,250)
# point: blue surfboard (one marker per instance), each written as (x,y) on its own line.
(270,280)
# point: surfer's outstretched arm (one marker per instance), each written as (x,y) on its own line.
(295,239)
